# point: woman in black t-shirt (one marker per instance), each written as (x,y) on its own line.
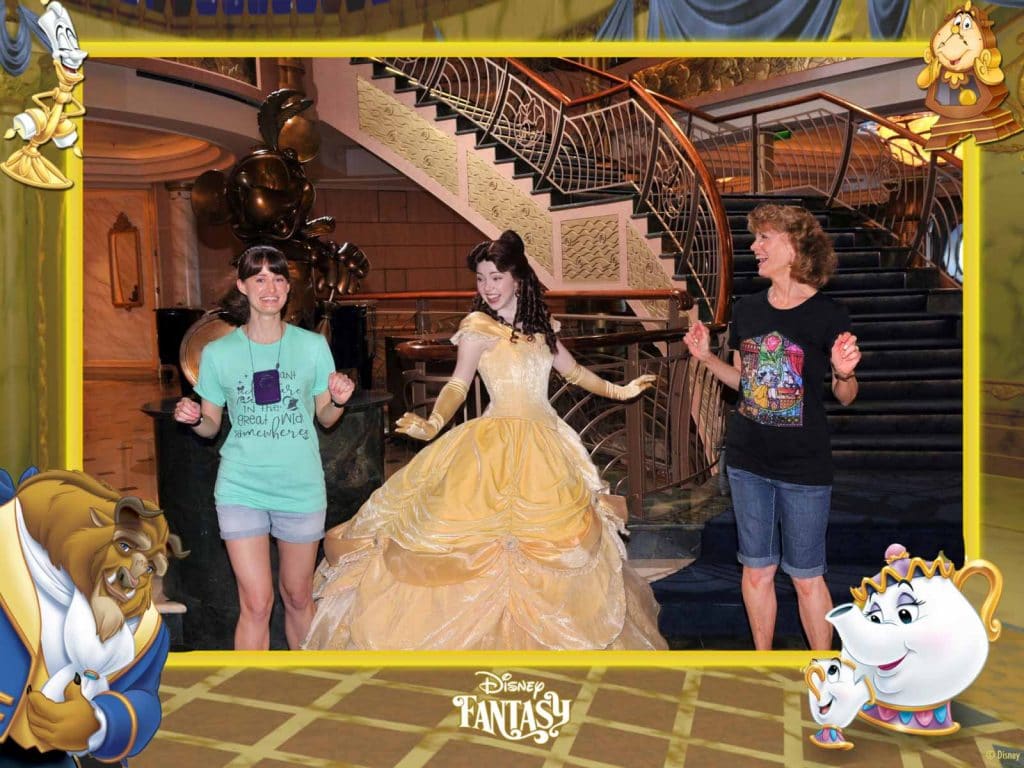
(777,444)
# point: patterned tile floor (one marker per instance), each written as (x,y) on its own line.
(636,718)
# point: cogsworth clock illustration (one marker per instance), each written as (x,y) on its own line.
(964,81)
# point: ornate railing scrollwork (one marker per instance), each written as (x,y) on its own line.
(854,158)
(617,141)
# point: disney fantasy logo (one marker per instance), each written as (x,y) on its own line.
(538,717)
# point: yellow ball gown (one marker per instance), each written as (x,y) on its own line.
(493,537)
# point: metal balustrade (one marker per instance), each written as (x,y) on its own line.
(669,437)
(678,161)
(822,145)
(617,141)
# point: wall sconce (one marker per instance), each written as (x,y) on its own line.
(125,253)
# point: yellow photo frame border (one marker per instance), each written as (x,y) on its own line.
(971,395)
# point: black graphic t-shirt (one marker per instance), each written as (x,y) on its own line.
(779,428)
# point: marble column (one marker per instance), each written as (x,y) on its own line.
(180,265)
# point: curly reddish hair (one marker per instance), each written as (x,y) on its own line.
(815,260)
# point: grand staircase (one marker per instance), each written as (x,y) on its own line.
(897,448)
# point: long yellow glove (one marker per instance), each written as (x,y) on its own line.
(449,400)
(590,381)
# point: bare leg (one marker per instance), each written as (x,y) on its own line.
(295,577)
(814,601)
(759,599)
(250,560)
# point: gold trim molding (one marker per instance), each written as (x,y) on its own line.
(506,206)
(1003,390)
(644,272)
(407,134)
(590,250)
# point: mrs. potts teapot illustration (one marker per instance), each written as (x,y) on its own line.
(911,642)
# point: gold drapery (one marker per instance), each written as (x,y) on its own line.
(31,291)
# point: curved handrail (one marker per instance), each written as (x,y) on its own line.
(721,218)
(885,173)
(887,183)
(616,139)
(902,131)
(435,347)
(796,100)
(682,298)
(931,196)
(669,437)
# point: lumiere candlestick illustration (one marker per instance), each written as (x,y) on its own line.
(50,119)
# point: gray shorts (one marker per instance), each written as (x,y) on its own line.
(237,521)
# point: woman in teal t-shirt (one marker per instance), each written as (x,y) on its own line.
(274,379)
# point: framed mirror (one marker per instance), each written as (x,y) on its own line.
(125,263)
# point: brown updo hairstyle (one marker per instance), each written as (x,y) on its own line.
(508,254)
(815,260)
(234,304)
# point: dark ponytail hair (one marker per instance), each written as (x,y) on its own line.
(234,305)
(508,254)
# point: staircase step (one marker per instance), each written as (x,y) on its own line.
(920,508)
(918,279)
(738,221)
(881,279)
(906,342)
(918,424)
(849,293)
(882,359)
(744,261)
(568,202)
(702,607)
(855,237)
(906,326)
(917,458)
(933,442)
(868,375)
(917,405)
(877,390)
(883,303)
(735,203)
(427,99)
(865,303)
(872,507)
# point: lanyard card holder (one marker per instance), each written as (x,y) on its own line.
(266,386)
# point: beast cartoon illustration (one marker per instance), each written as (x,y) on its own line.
(965,82)
(82,643)
(911,642)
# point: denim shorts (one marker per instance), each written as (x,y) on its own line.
(237,521)
(766,507)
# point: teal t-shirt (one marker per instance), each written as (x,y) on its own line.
(271,458)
